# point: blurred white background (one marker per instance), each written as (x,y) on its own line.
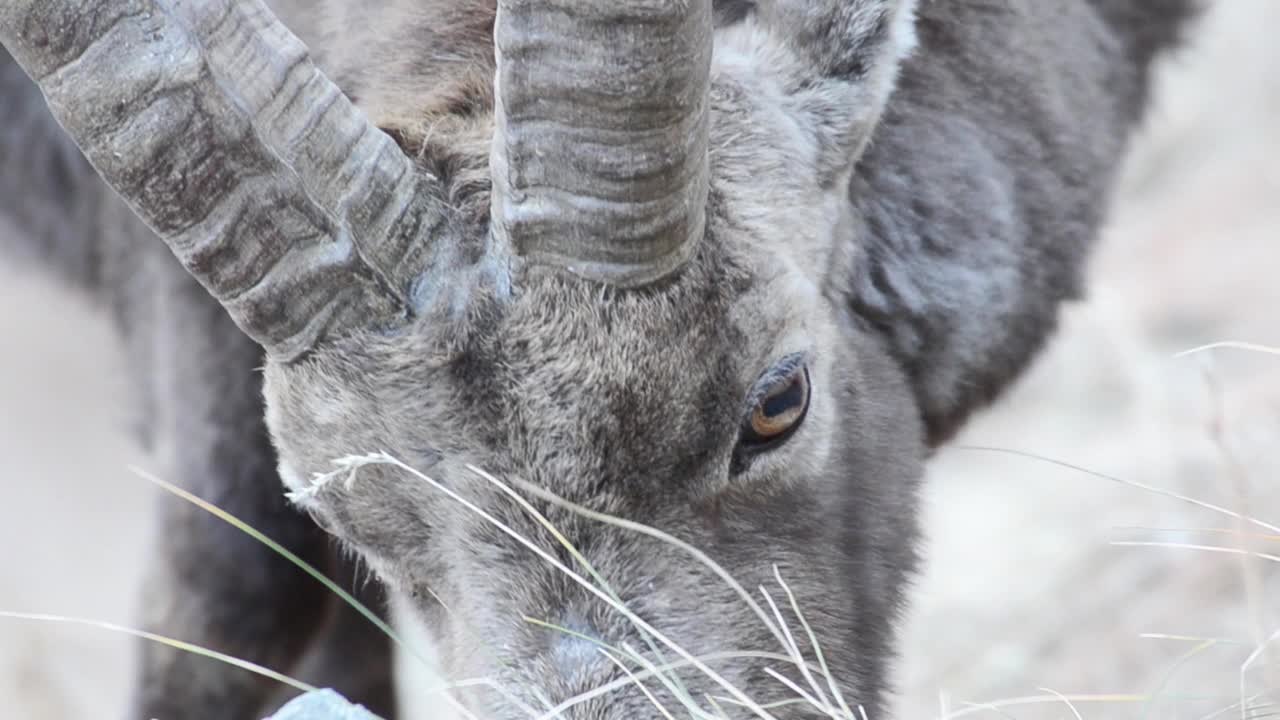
(1023,588)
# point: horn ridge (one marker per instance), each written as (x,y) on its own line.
(210,120)
(599,161)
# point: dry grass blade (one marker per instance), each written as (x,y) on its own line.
(1253,658)
(669,539)
(650,670)
(674,665)
(638,683)
(1167,677)
(1231,532)
(329,584)
(1194,639)
(351,464)
(990,708)
(1000,705)
(804,695)
(719,710)
(163,640)
(775,705)
(280,550)
(575,554)
(794,650)
(781,628)
(1270,709)
(1122,481)
(817,647)
(680,692)
(1230,345)
(1233,706)
(611,653)
(1193,546)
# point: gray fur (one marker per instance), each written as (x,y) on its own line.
(909,220)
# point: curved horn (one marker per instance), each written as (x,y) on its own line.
(600,148)
(210,120)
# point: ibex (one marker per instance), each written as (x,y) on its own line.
(731,269)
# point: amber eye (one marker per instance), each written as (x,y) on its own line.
(778,412)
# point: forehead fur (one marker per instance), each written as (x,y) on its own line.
(565,378)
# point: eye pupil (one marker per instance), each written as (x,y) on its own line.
(778,412)
(791,397)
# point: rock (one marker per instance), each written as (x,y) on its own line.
(322,705)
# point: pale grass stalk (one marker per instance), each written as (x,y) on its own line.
(324,580)
(1193,546)
(1000,705)
(1173,669)
(782,629)
(1238,704)
(638,683)
(1193,638)
(681,693)
(805,695)
(464,711)
(817,646)
(283,552)
(775,705)
(1232,532)
(715,705)
(611,652)
(794,648)
(1254,656)
(572,633)
(573,551)
(164,640)
(354,462)
(1230,345)
(669,539)
(674,665)
(1267,711)
(1250,568)
(788,640)
(1131,483)
(989,707)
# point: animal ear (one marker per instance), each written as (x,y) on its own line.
(966,242)
(985,184)
(831,63)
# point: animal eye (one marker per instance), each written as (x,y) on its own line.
(778,412)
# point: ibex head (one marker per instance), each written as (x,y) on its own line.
(625,299)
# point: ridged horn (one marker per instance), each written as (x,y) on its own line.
(210,120)
(600,147)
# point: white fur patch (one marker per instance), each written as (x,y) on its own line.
(294,482)
(904,34)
